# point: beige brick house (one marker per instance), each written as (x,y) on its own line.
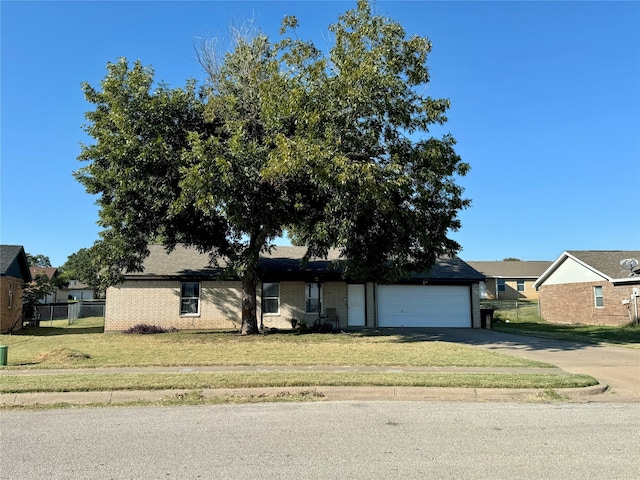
(591,287)
(510,279)
(14,274)
(181,290)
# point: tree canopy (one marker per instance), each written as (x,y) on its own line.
(39,288)
(82,266)
(38,260)
(331,147)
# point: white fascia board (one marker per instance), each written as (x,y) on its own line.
(632,280)
(559,261)
(563,256)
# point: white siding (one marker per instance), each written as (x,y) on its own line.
(571,271)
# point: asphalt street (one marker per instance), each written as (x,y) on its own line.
(346,439)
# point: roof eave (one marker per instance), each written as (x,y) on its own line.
(561,259)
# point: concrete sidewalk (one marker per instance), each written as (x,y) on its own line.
(319,392)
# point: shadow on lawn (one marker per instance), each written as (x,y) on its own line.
(580,333)
(51,331)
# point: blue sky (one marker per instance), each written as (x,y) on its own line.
(545,108)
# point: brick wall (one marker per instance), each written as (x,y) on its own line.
(371,314)
(10,304)
(292,304)
(476,319)
(157,302)
(575,303)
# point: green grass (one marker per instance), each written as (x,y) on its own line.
(521,311)
(525,321)
(82,345)
(628,336)
(200,380)
(73,348)
(192,397)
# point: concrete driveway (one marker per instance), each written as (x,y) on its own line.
(617,367)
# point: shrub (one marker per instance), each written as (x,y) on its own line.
(145,329)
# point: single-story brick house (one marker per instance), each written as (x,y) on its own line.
(14,274)
(510,279)
(590,287)
(182,290)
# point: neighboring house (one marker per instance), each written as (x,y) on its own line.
(510,279)
(51,274)
(181,290)
(14,274)
(591,287)
(75,290)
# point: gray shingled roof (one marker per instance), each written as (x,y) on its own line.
(13,262)
(511,269)
(185,261)
(606,261)
(188,262)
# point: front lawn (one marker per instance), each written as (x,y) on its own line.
(524,320)
(628,336)
(71,347)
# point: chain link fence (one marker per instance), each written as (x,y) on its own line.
(513,310)
(69,311)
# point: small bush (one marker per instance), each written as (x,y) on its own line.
(144,329)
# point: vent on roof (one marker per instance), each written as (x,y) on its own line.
(629,264)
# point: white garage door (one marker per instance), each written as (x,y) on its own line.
(424,306)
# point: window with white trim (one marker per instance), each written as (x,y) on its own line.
(599,296)
(502,285)
(190,298)
(520,285)
(270,298)
(312,297)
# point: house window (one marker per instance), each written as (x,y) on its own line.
(520,284)
(190,298)
(597,293)
(502,285)
(270,298)
(312,297)
(10,302)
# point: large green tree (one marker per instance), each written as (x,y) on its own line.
(82,266)
(331,147)
(38,260)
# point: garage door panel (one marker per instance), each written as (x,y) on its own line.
(424,306)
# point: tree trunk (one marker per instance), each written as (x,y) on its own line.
(249,317)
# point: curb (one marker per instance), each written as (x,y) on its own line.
(325,393)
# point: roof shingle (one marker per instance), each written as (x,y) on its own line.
(188,262)
(606,261)
(511,268)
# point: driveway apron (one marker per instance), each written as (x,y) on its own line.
(617,367)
